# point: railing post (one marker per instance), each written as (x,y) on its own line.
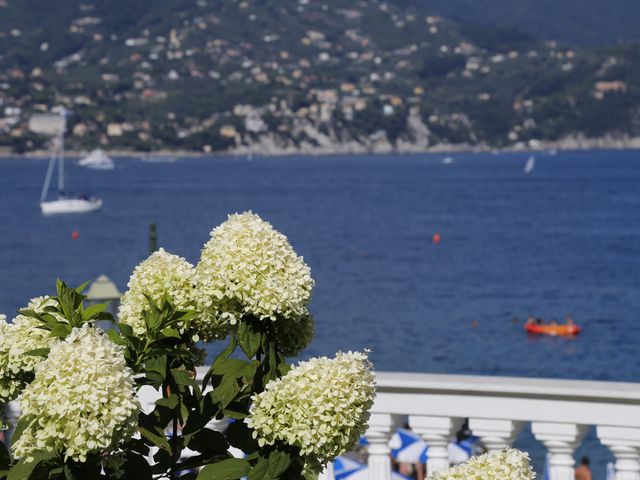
(624,443)
(381,427)
(561,439)
(496,435)
(437,432)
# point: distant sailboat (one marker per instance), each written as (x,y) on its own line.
(530,165)
(55,126)
(97,160)
(447,160)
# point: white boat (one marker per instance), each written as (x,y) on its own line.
(530,165)
(70,205)
(97,160)
(56,126)
(447,160)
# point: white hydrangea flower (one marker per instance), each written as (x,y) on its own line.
(81,400)
(16,339)
(510,464)
(320,406)
(162,273)
(249,268)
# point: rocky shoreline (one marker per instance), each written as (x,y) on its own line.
(269,148)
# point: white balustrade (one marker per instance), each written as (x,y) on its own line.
(559,411)
(381,427)
(624,443)
(561,439)
(496,434)
(437,433)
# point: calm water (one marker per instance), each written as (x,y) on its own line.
(565,239)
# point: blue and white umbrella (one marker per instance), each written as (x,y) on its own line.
(343,466)
(407,447)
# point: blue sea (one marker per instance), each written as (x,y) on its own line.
(562,240)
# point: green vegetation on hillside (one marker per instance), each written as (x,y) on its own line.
(279,75)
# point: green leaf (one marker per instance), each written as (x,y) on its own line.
(208,441)
(156,369)
(170,403)
(93,310)
(116,338)
(228,350)
(68,472)
(38,352)
(239,435)
(126,330)
(171,333)
(181,377)
(136,466)
(230,469)
(226,391)
(248,339)
(23,470)
(22,425)
(79,289)
(260,470)
(159,440)
(279,461)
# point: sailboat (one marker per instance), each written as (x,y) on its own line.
(97,160)
(530,165)
(55,125)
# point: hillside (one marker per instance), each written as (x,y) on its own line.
(278,76)
(580,23)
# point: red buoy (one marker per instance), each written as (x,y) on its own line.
(75,234)
(436,238)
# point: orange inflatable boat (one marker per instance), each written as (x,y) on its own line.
(554,330)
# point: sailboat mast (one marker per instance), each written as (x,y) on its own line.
(61,164)
(47,180)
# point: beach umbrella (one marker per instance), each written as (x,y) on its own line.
(343,466)
(407,447)
(457,453)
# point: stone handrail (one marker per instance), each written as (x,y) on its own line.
(560,413)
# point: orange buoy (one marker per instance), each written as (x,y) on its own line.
(436,238)
(75,234)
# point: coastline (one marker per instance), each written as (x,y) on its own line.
(264,149)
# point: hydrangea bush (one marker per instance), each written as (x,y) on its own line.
(510,464)
(81,401)
(160,275)
(320,407)
(17,340)
(249,269)
(77,385)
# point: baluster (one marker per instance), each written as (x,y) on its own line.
(561,439)
(437,432)
(496,435)
(624,443)
(381,427)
